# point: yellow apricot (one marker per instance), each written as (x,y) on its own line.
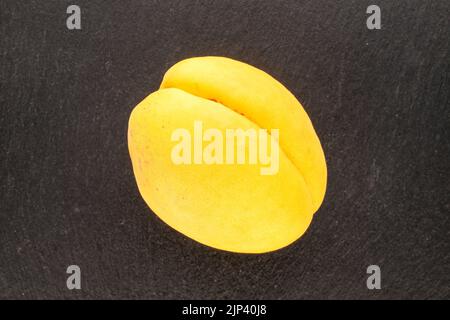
(179,142)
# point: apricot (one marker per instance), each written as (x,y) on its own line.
(209,184)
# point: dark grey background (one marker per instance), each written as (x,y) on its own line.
(378,99)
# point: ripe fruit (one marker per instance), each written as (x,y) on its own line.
(227,206)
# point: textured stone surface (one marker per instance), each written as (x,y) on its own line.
(379,101)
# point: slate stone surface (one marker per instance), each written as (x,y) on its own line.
(379,101)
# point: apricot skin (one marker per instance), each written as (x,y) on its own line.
(228,207)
